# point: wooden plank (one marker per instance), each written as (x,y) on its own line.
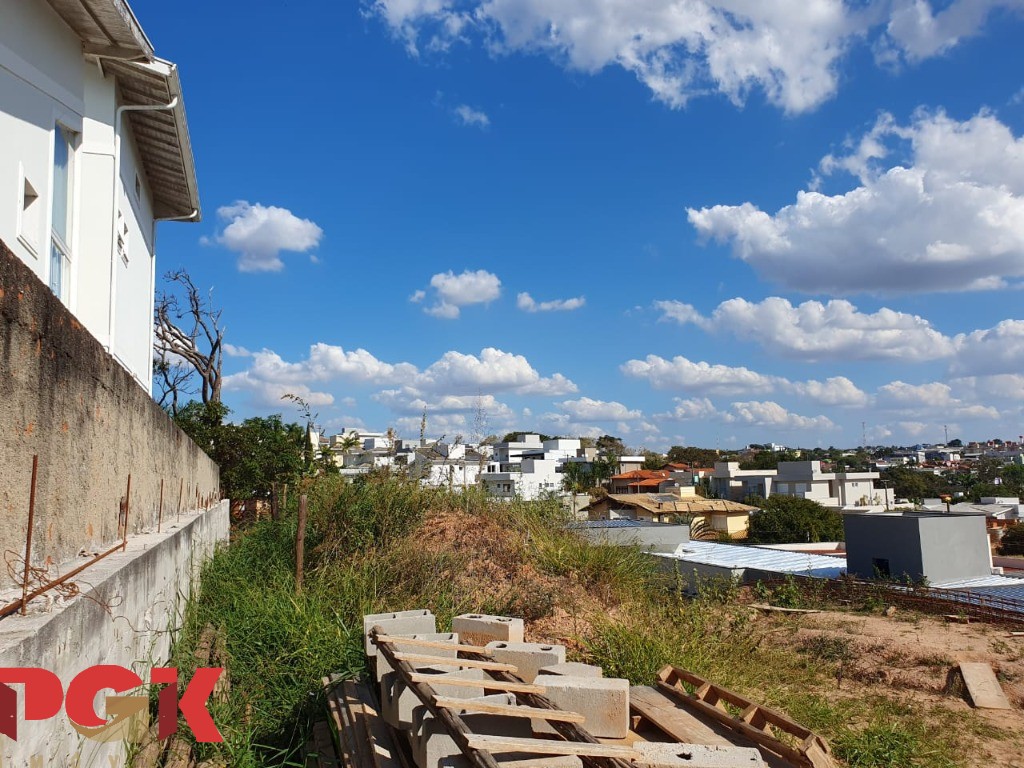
(548,747)
(496,666)
(490,685)
(179,753)
(661,712)
(152,750)
(983,687)
(383,751)
(468,705)
(417,643)
(324,744)
(777,609)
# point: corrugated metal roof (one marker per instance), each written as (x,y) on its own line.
(737,557)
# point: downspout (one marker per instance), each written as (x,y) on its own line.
(118,121)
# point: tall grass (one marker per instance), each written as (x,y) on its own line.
(366,555)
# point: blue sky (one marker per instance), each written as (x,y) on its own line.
(732,223)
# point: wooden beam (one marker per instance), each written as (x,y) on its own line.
(468,705)
(417,643)
(455,725)
(549,747)
(489,685)
(416,658)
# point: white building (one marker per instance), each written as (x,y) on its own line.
(94,150)
(528,468)
(802,479)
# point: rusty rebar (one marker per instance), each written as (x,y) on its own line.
(28,535)
(10,608)
(160,513)
(127,511)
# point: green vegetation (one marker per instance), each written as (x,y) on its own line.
(383,543)
(787,519)
(1012,542)
(252,455)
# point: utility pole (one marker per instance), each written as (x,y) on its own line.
(864,434)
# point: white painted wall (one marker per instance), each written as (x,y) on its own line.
(44,79)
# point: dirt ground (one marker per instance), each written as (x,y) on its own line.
(912,656)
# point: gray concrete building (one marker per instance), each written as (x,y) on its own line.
(938,548)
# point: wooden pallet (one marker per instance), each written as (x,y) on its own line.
(765,727)
(479,749)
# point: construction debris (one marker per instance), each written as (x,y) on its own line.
(982,686)
(445,703)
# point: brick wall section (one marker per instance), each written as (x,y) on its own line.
(64,398)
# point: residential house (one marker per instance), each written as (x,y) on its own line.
(642,481)
(719,515)
(802,479)
(94,151)
(528,468)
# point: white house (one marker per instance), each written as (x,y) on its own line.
(528,468)
(803,479)
(94,151)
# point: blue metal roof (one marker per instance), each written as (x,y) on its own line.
(738,557)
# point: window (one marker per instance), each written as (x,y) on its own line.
(29,208)
(61,210)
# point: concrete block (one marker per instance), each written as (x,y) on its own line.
(603,701)
(433,746)
(572,669)
(384,666)
(517,760)
(398,702)
(400,622)
(658,755)
(479,629)
(528,657)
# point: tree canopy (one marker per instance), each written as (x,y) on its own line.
(789,520)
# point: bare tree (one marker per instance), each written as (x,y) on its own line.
(188,334)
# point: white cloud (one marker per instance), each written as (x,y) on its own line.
(933,400)
(527,303)
(691,409)
(755,413)
(996,350)
(469,116)
(952,219)
(900,394)
(492,371)
(817,331)
(837,391)
(409,401)
(453,374)
(587,410)
(235,351)
(258,233)
(917,32)
(789,50)
(456,291)
(703,378)
(771,414)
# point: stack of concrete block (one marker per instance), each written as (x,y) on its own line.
(449,638)
(398,702)
(603,701)
(571,669)
(480,629)
(528,658)
(398,623)
(657,755)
